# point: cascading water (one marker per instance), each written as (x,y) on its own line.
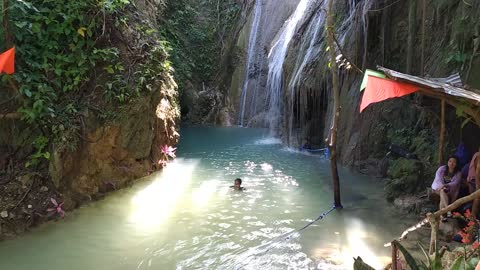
(309,53)
(252,61)
(275,66)
(312,51)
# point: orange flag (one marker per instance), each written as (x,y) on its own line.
(7,61)
(379,89)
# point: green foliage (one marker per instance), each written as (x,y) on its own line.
(464,32)
(40,145)
(65,61)
(157,63)
(57,55)
(196,31)
(434,262)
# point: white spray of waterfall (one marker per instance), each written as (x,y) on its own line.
(275,66)
(251,59)
(357,12)
(312,50)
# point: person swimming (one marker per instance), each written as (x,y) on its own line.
(237,185)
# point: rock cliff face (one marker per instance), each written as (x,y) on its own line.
(217,102)
(370,33)
(113,154)
(117,143)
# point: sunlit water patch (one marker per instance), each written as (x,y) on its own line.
(187,217)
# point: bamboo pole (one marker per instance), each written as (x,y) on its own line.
(336,107)
(434,221)
(394,255)
(441,140)
(476,203)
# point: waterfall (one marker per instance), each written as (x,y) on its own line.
(312,50)
(252,60)
(275,66)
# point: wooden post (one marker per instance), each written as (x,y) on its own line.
(476,202)
(394,256)
(434,221)
(441,140)
(336,107)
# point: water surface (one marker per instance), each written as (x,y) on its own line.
(186,217)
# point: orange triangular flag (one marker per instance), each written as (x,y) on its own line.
(7,61)
(379,89)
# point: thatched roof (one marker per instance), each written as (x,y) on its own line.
(455,96)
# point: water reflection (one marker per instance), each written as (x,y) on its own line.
(153,205)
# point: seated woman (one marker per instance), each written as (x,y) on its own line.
(447,183)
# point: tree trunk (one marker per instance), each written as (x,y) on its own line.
(441,140)
(336,107)
(394,256)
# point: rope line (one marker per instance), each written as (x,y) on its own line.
(286,236)
(313,150)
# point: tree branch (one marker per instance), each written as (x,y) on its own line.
(440,212)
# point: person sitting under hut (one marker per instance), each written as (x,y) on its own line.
(447,183)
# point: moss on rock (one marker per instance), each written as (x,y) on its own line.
(406,177)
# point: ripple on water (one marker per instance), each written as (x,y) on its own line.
(230,230)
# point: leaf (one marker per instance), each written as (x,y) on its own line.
(20,24)
(27,93)
(81,31)
(426,254)
(327,49)
(465,122)
(458,264)
(109,69)
(408,257)
(473,262)
(437,261)
(460,110)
